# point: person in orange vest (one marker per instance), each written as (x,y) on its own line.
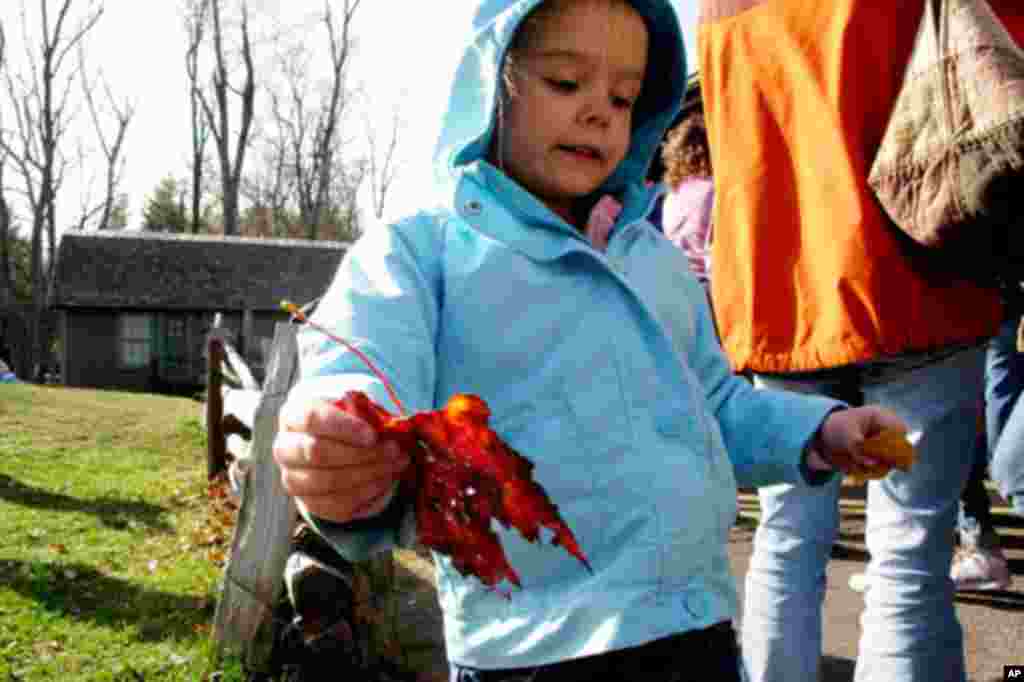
(815,292)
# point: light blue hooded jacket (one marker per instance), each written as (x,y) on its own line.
(602,367)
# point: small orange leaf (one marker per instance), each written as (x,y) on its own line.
(892,450)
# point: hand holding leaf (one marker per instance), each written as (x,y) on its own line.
(462,476)
(865,442)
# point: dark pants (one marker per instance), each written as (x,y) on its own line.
(975,505)
(695,656)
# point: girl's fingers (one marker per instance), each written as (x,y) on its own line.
(374,506)
(367,501)
(321,418)
(882,419)
(857,465)
(333,462)
(303,451)
(867,461)
(303,482)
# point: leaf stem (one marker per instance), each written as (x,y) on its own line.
(301,317)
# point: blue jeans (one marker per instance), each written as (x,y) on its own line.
(909,628)
(1004,414)
(999,457)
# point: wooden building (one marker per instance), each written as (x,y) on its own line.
(134,308)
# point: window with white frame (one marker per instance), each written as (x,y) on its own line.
(176,328)
(136,340)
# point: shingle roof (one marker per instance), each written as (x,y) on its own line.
(153,270)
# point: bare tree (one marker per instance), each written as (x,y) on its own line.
(270,187)
(308,120)
(196,12)
(7,294)
(343,212)
(88,207)
(219,119)
(6,271)
(111,144)
(382,166)
(42,114)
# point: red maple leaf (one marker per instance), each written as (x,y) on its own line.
(462,476)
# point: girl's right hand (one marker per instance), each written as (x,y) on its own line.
(333,462)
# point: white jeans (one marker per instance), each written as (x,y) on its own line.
(909,628)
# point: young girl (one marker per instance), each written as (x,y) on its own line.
(598,364)
(686,215)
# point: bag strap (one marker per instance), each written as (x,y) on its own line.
(940,11)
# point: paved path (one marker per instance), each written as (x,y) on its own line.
(993,622)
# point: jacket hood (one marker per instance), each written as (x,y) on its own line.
(472,107)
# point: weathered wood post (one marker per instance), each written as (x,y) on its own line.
(246,346)
(216,455)
(253,583)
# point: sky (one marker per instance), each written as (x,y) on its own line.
(140,44)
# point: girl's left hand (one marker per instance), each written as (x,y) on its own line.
(840,438)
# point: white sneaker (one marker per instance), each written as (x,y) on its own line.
(859,582)
(980,569)
(973,570)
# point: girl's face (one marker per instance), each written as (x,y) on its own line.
(567,116)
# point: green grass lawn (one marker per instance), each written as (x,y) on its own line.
(109,544)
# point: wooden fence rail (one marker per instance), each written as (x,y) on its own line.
(216,457)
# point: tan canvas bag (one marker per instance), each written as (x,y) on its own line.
(950,169)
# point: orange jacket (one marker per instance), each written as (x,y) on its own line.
(808,272)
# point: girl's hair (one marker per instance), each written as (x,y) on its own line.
(685,152)
(525,36)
